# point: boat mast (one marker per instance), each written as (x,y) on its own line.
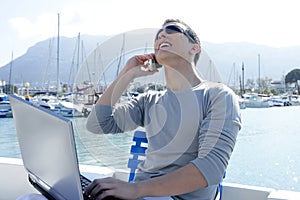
(10,70)
(259,89)
(78,60)
(57,58)
(46,78)
(243,78)
(234,78)
(121,55)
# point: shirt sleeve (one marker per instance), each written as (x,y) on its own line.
(217,134)
(121,118)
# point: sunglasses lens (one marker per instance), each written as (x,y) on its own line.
(173,29)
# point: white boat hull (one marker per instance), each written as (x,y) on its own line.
(5,113)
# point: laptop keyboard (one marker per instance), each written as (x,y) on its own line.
(84,182)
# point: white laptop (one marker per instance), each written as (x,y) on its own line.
(48,150)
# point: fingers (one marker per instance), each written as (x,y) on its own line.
(145,57)
(105,194)
(139,59)
(94,188)
(101,188)
(137,66)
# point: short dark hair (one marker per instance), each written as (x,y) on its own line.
(191,33)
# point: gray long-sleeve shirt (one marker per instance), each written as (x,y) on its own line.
(198,125)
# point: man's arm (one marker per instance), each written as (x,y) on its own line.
(183,180)
(112,94)
(180,181)
(131,71)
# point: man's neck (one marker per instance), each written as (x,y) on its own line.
(183,78)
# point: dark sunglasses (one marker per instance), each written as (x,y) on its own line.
(171,29)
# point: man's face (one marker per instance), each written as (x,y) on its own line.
(172,42)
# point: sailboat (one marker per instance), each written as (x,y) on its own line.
(58,102)
(5,108)
(254,100)
(66,106)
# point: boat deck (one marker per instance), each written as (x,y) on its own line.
(14,183)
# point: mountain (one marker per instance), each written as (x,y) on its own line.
(274,62)
(38,64)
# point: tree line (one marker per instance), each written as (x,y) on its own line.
(264,85)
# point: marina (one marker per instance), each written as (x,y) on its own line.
(65,64)
(266,152)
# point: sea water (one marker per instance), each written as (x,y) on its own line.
(267,152)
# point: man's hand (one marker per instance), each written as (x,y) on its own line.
(137,67)
(111,187)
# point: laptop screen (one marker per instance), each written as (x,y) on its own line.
(48,148)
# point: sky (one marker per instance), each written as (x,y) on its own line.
(23,23)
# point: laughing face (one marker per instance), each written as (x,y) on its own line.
(172,45)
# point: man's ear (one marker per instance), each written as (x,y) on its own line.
(196,48)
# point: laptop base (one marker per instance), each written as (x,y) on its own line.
(40,189)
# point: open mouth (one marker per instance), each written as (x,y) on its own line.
(164,44)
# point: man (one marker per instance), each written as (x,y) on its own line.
(191,127)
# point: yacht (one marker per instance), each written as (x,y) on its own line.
(5,108)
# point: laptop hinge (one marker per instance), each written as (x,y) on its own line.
(41,187)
